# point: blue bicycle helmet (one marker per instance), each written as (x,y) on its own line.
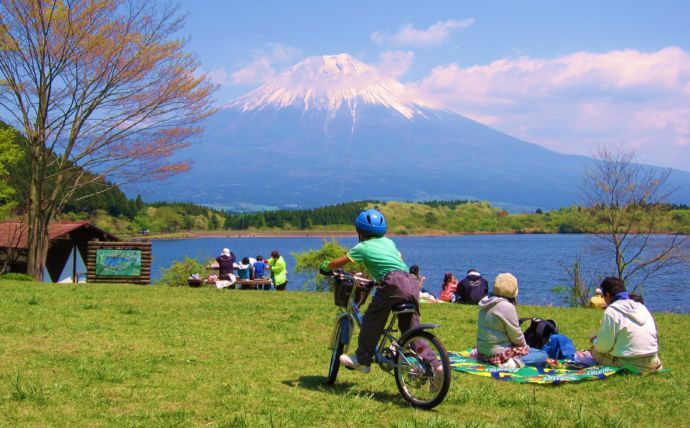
(371,222)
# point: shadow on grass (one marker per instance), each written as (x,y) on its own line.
(320,383)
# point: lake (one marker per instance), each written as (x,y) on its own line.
(538,261)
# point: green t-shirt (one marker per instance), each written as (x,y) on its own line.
(379,255)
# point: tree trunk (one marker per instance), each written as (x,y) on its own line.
(38,242)
(40,213)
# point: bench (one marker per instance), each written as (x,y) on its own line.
(252,284)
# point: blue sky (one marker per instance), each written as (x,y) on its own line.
(569,76)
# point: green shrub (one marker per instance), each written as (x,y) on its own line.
(178,273)
(309,261)
(13,276)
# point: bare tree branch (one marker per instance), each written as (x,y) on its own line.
(628,199)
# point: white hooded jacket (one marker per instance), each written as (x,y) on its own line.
(627,330)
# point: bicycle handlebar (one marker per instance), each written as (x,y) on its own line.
(358,280)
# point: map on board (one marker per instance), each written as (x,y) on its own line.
(118,262)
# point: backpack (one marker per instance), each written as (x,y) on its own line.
(539,331)
(560,347)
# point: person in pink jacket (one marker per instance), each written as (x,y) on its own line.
(450,285)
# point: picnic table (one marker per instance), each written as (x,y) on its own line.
(245,284)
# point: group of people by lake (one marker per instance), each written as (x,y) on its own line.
(627,336)
(469,291)
(252,268)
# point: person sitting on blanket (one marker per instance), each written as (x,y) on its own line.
(448,288)
(424,295)
(627,335)
(499,338)
(597,301)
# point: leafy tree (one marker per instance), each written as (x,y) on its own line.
(10,153)
(629,201)
(178,273)
(188,222)
(213,222)
(310,261)
(95,86)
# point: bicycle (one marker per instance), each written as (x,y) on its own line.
(417,358)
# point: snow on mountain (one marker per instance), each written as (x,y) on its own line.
(332,82)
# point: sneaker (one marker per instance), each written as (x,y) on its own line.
(513,363)
(437,381)
(350,362)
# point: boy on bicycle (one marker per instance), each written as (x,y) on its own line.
(384,263)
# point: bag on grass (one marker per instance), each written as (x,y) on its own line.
(539,331)
(560,347)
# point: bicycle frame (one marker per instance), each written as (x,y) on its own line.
(417,359)
(354,316)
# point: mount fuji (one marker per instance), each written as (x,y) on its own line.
(333,129)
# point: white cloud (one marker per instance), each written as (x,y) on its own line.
(218,76)
(280,53)
(394,63)
(407,35)
(574,102)
(263,66)
(257,72)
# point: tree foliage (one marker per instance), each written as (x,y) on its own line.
(10,155)
(310,261)
(99,89)
(403,218)
(340,214)
(178,273)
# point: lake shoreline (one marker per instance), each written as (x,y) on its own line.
(318,234)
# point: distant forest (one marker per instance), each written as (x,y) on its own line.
(117,214)
(111,210)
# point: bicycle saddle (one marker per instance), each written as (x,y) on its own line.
(400,307)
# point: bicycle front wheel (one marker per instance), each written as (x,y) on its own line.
(334,365)
(422,370)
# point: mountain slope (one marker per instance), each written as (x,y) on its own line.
(332,129)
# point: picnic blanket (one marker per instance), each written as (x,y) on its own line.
(563,371)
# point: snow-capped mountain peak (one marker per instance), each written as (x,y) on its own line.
(331,82)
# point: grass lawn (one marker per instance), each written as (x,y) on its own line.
(114,355)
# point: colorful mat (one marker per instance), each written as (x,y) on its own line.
(559,373)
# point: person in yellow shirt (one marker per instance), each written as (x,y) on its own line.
(278,270)
(597,301)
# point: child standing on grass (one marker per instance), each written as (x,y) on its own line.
(384,263)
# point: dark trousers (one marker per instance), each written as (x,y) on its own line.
(396,287)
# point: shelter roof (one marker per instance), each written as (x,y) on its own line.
(14,234)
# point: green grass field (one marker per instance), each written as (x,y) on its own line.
(113,355)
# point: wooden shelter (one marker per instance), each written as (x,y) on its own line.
(65,238)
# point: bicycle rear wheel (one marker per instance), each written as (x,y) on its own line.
(422,370)
(334,365)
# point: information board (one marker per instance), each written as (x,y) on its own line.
(110,262)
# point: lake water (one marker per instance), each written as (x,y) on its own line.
(538,261)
